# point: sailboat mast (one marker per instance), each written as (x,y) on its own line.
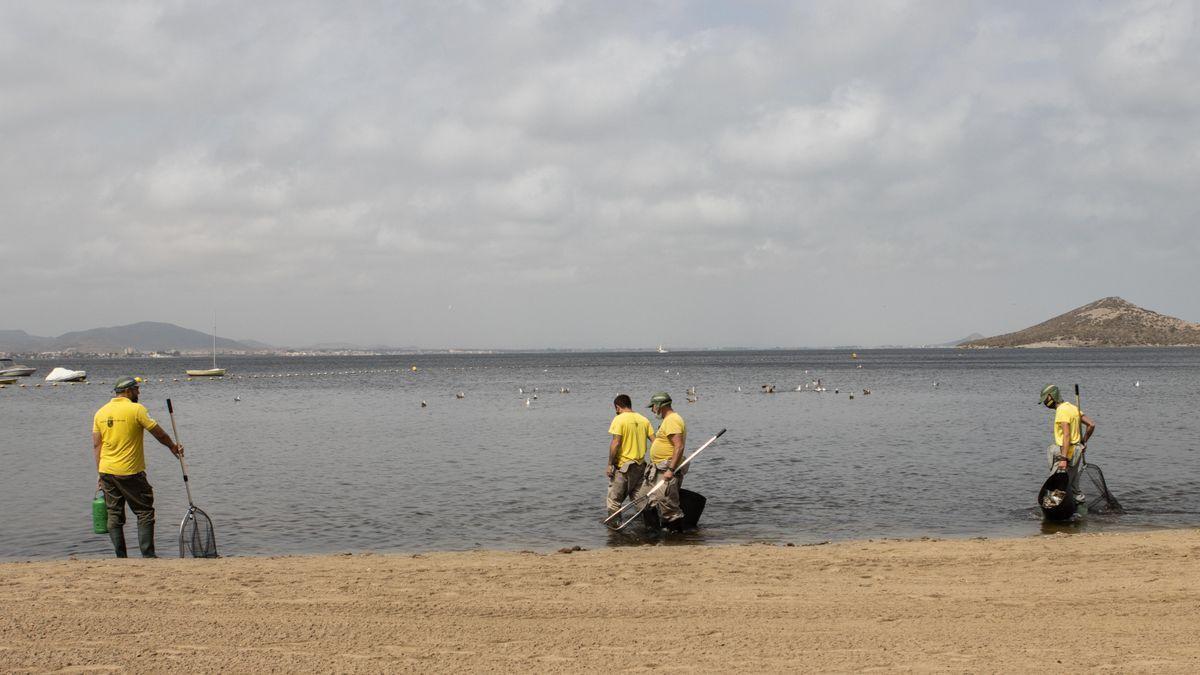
(214,340)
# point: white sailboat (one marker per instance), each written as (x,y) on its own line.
(661,350)
(214,371)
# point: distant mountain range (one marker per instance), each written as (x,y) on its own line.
(1108,322)
(145,336)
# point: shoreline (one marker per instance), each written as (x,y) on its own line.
(1088,601)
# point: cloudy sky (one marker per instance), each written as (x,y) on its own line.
(573,174)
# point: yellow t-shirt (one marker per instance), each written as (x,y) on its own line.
(634,430)
(120,423)
(662,448)
(1066,412)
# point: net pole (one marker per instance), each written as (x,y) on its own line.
(175,430)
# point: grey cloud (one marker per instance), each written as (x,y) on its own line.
(870,161)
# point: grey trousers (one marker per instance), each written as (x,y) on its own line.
(625,483)
(1073,465)
(665,500)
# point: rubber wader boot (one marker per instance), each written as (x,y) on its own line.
(146,539)
(117,534)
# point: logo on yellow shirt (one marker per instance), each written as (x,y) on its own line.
(110,421)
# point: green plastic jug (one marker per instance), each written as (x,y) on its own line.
(99,514)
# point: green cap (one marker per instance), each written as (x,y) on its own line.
(1051,391)
(660,399)
(124,383)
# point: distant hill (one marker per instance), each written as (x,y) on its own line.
(960,341)
(20,341)
(145,336)
(1108,322)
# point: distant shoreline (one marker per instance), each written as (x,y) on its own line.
(498,352)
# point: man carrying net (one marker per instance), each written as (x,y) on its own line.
(666,454)
(1069,444)
(117,430)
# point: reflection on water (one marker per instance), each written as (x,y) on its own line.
(349,460)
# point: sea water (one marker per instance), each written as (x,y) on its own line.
(330,454)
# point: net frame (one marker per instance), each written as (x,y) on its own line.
(197,537)
(1104,501)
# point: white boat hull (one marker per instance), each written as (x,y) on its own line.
(211,372)
(66,375)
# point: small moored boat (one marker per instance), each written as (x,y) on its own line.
(66,375)
(10,369)
(214,371)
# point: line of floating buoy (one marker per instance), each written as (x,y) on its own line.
(163,380)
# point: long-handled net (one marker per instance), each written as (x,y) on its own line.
(1103,501)
(196,535)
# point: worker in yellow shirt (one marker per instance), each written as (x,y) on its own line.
(117,446)
(666,452)
(1066,452)
(631,433)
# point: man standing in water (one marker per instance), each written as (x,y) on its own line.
(1067,450)
(117,445)
(631,432)
(665,455)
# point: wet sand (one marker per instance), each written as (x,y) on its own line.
(1123,602)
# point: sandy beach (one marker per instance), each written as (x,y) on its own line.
(1068,603)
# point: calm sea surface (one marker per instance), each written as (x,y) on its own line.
(340,456)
